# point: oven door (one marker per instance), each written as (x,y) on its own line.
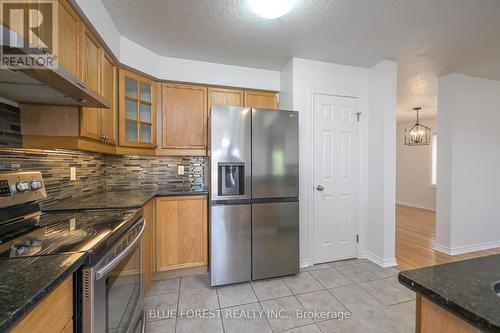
(113,298)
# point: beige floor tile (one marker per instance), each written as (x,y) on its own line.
(236,295)
(331,278)
(245,319)
(282,313)
(302,283)
(269,289)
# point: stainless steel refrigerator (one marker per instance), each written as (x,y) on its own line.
(254,208)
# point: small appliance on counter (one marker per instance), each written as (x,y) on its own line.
(254,207)
(110,291)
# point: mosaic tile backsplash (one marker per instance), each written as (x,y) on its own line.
(54,165)
(136,171)
(96,172)
(10,129)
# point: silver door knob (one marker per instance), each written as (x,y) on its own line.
(320,188)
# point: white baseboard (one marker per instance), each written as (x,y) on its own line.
(453,251)
(442,249)
(415,205)
(379,261)
(304,263)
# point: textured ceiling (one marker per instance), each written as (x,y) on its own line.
(428,38)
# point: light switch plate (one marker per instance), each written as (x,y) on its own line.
(180,170)
(72,173)
(72,224)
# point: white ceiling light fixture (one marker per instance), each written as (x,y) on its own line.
(271,9)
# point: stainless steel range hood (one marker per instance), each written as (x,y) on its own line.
(47,86)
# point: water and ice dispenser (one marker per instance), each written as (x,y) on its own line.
(231,179)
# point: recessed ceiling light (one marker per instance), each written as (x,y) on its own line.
(271,9)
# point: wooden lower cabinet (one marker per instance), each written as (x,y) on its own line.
(433,319)
(149,217)
(68,328)
(53,315)
(181,238)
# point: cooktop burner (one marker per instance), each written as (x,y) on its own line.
(84,231)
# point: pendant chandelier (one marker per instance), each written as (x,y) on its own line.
(417,135)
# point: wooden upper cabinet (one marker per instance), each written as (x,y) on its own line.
(261,99)
(184,113)
(68,38)
(225,97)
(137,110)
(91,76)
(181,232)
(90,60)
(109,91)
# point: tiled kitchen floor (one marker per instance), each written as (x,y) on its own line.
(376,301)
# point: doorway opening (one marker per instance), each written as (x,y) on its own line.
(416,181)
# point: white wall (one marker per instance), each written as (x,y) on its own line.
(98,16)
(175,69)
(304,77)
(286,86)
(381,164)
(413,165)
(468,164)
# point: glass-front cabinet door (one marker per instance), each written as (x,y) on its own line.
(137,110)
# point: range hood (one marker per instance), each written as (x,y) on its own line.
(50,86)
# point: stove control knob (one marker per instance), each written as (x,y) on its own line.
(36,185)
(22,186)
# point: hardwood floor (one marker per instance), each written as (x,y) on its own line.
(415,230)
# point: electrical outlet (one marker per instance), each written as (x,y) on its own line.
(72,173)
(180,170)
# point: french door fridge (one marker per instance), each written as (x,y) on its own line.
(254,209)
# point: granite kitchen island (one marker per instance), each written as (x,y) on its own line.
(456,297)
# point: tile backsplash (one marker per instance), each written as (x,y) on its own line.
(137,171)
(54,165)
(10,126)
(96,172)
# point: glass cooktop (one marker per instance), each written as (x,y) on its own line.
(51,233)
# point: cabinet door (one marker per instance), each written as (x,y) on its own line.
(181,232)
(184,110)
(261,99)
(91,76)
(149,217)
(52,314)
(225,97)
(68,38)
(137,111)
(109,91)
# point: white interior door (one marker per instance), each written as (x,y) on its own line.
(335,177)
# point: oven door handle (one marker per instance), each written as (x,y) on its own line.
(116,260)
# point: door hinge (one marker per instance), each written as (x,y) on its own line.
(358,115)
(357,238)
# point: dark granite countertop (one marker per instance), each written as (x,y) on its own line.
(463,288)
(27,281)
(119,198)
